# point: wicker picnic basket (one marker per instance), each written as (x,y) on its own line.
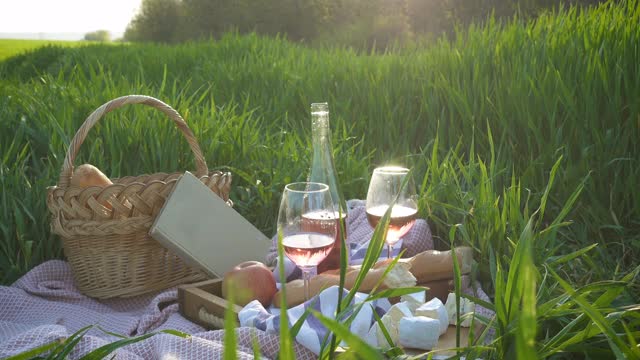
(104,230)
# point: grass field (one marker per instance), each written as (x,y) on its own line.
(523,136)
(12,47)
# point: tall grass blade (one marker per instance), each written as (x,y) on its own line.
(33,353)
(103,351)
(355,343)
(620,349)
(286,344)
(230,323)
(68,345)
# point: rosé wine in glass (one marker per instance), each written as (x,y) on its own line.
(316,220)
(307,249)
(392,185)
(401,220)
(305,227)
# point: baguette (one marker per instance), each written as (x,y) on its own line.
(429,266)
(442,288)
(398,276)
(87,175)
(433,265)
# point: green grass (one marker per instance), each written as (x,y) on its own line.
(523,136)
(13,47)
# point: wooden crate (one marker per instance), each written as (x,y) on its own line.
(206,296)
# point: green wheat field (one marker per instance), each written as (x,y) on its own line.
(13,47)
(523,137)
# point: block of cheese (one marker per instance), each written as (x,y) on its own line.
(435,309)
(391,321)
(466,307)
(414,300)
(419,332)
(372,336)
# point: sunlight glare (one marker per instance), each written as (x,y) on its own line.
(66,15)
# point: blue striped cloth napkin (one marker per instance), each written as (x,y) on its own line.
(313,333)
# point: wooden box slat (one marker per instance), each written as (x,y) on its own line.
(208,295)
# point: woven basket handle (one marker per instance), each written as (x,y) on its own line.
(81,134)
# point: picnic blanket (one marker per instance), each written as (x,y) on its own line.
(44,306)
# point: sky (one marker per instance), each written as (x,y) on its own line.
(66,16)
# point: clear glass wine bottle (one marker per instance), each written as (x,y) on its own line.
(323,170)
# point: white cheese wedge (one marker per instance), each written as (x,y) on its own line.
(419,332)
(466,307)
(414,300)
(435,309)
(399,276)
(391,321)
(372,336)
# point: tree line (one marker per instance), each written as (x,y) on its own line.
(359,23)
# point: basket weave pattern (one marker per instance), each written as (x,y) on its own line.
(104,230)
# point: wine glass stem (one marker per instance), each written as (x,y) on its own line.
(306,275)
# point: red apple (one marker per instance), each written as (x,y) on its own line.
(250,280)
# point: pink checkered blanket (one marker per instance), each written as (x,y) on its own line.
(45,306)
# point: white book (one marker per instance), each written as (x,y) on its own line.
(197,225)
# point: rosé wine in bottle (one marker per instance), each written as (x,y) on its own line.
(323,170)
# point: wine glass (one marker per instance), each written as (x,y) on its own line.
(305,225)
(386,183)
